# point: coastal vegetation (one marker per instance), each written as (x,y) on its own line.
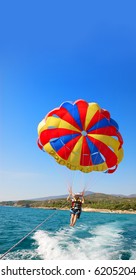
(95,201)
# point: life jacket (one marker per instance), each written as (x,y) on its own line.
(76,204)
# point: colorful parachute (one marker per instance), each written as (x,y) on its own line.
(81,136)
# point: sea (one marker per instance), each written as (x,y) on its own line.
(96,236)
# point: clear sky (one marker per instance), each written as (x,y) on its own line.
(55,51)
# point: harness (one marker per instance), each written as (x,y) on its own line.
(76,204)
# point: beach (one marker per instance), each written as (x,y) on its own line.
(85,209)
(109,211)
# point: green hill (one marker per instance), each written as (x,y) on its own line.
(94,200)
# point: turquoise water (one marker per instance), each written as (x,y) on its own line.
(96,236)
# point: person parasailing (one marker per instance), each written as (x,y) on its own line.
(77,199)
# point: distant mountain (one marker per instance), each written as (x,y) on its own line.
(49,197)
(92,200)
(122,195)
(86,194)
(56,197)
(132,195)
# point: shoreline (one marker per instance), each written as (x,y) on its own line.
(84,209)
(108,211)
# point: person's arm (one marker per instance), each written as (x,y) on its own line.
(71,194)
(82,198)
(83,192)
(68,198)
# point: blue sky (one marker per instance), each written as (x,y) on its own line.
(54,51)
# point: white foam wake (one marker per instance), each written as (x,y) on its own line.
(104,243)
(133,252)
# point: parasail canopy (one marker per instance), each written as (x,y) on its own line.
(81,136)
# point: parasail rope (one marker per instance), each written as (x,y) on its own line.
(29,233)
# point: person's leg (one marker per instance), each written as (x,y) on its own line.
(72,219)
(77,216)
